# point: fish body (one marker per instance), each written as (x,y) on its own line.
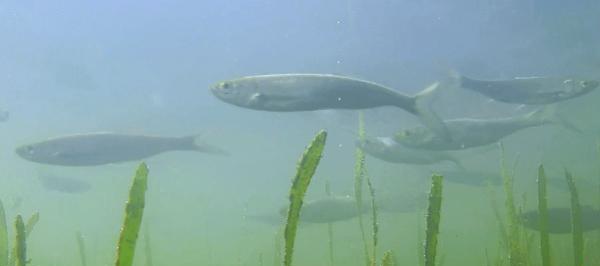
(530,90)
(387,149)
(468,133)
(559,220)
(309,92)
(328,210)
(64,184)
(105,148)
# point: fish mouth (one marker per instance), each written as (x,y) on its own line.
(24,152)
(222,90)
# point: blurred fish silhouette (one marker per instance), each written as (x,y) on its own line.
(4,115)
(559,219)
(528,90)
(63,184)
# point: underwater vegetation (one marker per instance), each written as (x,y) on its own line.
(433,220)
(516,244)
(306,169)
(134,210)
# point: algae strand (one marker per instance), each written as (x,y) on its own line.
(20,245)
(31,222)
(329,227)
(81,246)
(374,222)
(134,211)
(516,250)
(543,214)
(359,175)
(576,224)
(3,237)
(306,169)
(388,259)
(433,220)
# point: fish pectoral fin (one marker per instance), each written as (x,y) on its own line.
(256,98)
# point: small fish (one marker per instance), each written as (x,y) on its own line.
(387,149)
(327,210)
(309,92)
(530,90)
(559,220)
(64,184)
(468,133)
(471,178)
(105,148)
(4,115)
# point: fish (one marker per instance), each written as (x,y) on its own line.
(327,210)
(336,208)
(4,115)
(559,220)
(387,149)
(64,184)
(468,133)
(471,178)
(102,148)
(529,90)
(310,92)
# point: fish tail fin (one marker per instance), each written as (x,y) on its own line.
(459,165)
(425,113)
(550,115)
(193,143)
(454,80)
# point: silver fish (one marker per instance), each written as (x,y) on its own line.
(63,184)
(105,148)
(559,219)
(530,90)
(309,92)
(469,133)
(328,210)
(387,149)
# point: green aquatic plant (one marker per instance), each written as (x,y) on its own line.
(81,246)
(388,259)
(134,211)
(543,220)
(359,176)
(576,223)
(374,223)
(517,255)
(329,227)
(3,237)
(20,246)
(31,222)
(306,169)
(433,220)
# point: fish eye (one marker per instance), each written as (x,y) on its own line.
(28,149)
(225,85)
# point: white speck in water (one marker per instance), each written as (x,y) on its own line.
(339,99)
(340,145)
(338,62)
